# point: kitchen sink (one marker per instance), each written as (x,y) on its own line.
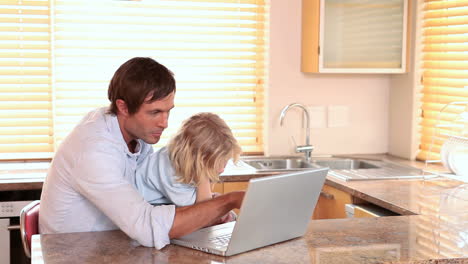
(348,169)
(345,164)
(269,164)
(295,163)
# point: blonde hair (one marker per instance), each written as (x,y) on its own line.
(201,147)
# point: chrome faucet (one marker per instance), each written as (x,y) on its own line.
(307,148)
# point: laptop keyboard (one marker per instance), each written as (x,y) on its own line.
(222,240)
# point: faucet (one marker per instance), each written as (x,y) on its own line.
(307,148)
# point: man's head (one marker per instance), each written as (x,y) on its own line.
(136,80)
(142,94)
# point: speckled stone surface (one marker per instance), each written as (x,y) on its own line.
(399,239)
(21,178)
(405,197)
(21,185)
(403,239)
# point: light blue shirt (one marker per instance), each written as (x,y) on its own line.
(89,186)
(156,180)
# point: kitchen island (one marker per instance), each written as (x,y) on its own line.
(420,235)
(395,239)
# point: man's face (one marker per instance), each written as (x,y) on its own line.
(149,121)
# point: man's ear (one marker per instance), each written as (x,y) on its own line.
(122,107)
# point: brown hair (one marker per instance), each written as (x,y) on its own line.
(202,146)
(137,79)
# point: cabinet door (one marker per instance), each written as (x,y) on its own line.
(354,36)
(362,213)
(218,188)
(331,203)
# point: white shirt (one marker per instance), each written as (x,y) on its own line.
(156,180)
(89,186)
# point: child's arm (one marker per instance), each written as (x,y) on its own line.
(203,190)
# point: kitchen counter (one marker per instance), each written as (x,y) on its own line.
(395,239)
(412,238)
(404,196)
(20,176)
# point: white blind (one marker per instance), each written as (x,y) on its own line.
(25,80)
(215,49)
(57,58)
(444,67)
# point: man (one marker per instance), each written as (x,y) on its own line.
(89,183)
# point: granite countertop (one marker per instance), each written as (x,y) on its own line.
(19,176)
(417,237)
(404,197)
(393,239)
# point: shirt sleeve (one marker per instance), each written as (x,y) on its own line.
(100,178)
(156,178)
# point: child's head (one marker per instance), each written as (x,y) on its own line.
(201,148)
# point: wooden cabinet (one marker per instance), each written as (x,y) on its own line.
(218,188)
(360,212)
(331,203)
(355,36)
(371,210)
(235,186)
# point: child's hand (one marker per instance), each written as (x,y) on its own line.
(229,217)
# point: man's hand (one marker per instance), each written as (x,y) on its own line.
(193,217)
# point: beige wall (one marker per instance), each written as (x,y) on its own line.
(403,102)
(366,95)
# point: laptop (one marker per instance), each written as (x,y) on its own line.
(275,209)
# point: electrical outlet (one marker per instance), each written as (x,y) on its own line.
(338,116)
(317,116)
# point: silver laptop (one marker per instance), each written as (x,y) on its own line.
(275,209)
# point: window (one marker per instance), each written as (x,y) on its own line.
(216,50)
(25,80)
(444,68)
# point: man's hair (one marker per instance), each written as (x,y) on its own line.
(137,79)
(201,147)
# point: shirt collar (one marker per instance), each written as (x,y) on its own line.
(114,128)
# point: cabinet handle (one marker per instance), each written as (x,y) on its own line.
(326,195)
(13,227)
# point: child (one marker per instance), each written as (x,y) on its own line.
(182,172)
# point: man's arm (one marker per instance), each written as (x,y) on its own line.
(99,176)
(190,218)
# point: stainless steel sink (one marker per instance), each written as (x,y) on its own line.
(295,163)
(345,164)
(269,164)
(348,169)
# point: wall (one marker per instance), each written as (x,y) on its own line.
(403,102)
(367,96)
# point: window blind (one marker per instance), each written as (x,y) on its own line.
(26,127)
(444,69)
(57,58)
(215,49)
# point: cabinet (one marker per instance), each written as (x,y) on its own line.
(360,212)
(331,203)
(371,210)
(354,36)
